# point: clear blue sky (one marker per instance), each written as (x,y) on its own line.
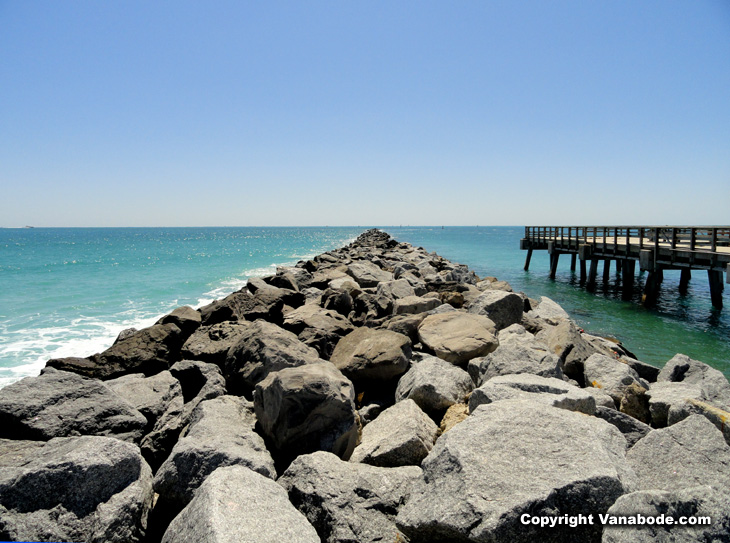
(137,113)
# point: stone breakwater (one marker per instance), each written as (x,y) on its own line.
(376,393)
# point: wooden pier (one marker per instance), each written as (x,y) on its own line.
(655,248)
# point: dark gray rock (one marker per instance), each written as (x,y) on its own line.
(60,403)
(714,385)
(514,457)
(318,328)
(366,355)
(400,288)
(565,341)
(306,409)
(435,385)
(270,295)
(663,395)
(221,433)
(406,325)
(263,348)
(458,337)
(237,504)
(242,305)
(339,300)
(367,274)
(149,351)
(688,454)
(502,308)
(212,343)
(402,435)
(348,502)
(88,488)
(702,501)
(186,318)
(632,429)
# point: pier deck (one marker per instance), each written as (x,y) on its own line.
(656,248)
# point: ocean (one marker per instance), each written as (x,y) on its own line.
(70,291)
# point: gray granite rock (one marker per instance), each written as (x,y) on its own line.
(458,337)
(514,457)
(186,318)
(718,417)
(610,375)
(434,385)
(60,403)
(237,504)
(367,274)
(221,433)
(688,454)
(691,503)
(632,429)
(85,488)
(402,435)
(211,343)
(550,311)
(318,328)
(306,409)
(502,308)
(714,385)
(399,288)
(565,341)
(367,355)
(664,394)
(348,502)
(415,304)
(264,348)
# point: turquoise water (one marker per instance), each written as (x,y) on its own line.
(69,291)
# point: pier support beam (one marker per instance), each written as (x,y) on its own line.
(684,277)
(573,258)
(592,274)
(527,259)
(606,271)
(715,277)
(582,271)
(651,288)
(628,268)
(554,264)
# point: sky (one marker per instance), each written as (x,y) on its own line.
(241,113)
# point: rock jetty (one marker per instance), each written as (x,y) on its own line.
(375,393)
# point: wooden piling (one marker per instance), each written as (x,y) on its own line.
(684,277)
(527,259)
(715,277)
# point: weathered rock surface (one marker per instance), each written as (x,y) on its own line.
(550,311)
(60,404)
(317,327)
(502,308)
(88,488)
(665,394)
(367,274)
(212,343)
(242,305)
(237,504)
(566,342)
(715,415)
(702,501)
(683,369)
(688,454)
(514,457)
(458,337)
(415,304)
(147,351)
(221,433)
(399,288)
(306,409)
(611,376)
(186,318)
(434,385)
(264,348)
(402,435)
(632,429)
(546,390)
(348,502)
(366,355)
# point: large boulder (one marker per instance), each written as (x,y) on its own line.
(517,352)
(693,503)
(368,274)
(458,337)
(237,504)
(402,435)
(547,390)
(211,343)
(663,395)
(317,327)
(149,351)
(242,305)
(270,295)
(221,433)
(348,502)
(688,454)
(160,399)
(415,304)
(60,403)
(264,348)
(611,376)
(366,355)
(512,458)
(85,488)
(632,429)
(186,318)
(550,311)
(435,385)
(306,409)
(718,417)
(502,308)
(565,341)
(714,385)
(400,288)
